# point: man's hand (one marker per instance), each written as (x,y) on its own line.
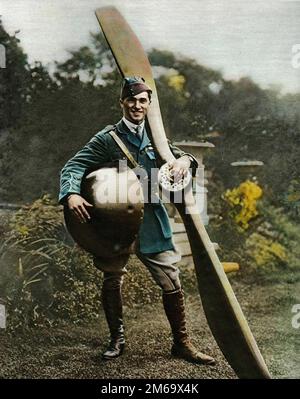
(179,167)
(78,205)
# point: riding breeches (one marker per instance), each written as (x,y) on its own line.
(162,267)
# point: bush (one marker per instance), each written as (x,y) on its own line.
(244,197)
(266,252)
(46,279)
(263,239)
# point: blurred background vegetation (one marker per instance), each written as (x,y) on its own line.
(45,117)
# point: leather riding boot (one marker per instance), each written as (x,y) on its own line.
(182,347)
(112,305)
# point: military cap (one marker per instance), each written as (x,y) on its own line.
(133,85)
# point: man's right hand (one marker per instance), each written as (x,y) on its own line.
(78,205)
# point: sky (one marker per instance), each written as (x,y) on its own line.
(236,37)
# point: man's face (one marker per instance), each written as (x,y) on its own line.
(135,108)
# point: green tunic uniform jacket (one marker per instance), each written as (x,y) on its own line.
(155,234)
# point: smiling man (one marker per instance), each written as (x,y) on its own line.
(155,247)
(135,106)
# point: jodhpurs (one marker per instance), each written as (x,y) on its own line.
(162,267)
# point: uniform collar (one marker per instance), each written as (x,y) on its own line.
(130,136)
(132,126)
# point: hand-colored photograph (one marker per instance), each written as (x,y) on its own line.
(150,190)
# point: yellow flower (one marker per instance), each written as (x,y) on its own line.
(264,250)
(245,196)
(176,82)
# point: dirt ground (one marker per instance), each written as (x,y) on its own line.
(74,351)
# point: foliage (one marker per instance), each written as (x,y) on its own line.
(177,82)
(273,248)
(291,198)
(45,279)
(244,197)
(88,62)
(13,80)
(287,232)
(265,251)
(268,250)
(59,112)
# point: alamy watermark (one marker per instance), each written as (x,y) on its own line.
(296,317)
(2,317)
(113,188)
(296,56)
(2,56)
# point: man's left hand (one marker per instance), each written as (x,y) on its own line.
(179,167)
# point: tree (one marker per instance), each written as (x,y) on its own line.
(13,80)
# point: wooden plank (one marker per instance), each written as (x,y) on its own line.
(184,248)
(177,227)
(180,237)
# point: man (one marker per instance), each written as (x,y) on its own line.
(155,246)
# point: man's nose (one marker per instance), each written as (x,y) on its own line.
(137,104)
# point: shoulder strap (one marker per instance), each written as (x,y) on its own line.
(124,149)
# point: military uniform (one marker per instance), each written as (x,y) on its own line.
(155,247)
(155,235)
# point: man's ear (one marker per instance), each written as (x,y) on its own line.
(121,102)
